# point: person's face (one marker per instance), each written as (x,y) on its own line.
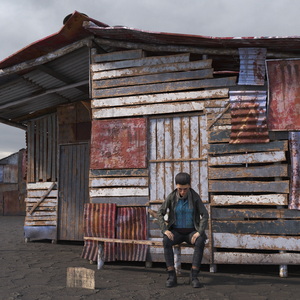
(182,189)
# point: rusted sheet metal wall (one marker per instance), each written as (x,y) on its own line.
(284,94)
(119,143)
(177,144)
(248,117)
(132,224)
(252,66)
(12,185)
(74,124)
(99,221)
(294,140)
(42,149)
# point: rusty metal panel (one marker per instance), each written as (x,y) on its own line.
(294,141)
(132,224)
(10,174)
(178,144)
(252,66)
(11,203)
(248,117)
(99,221)
(119,143)
(284,94)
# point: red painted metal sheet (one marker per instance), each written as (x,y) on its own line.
(119,143)
(132,224)
(284,94)
(294,141)
(248,117)
(252,66)
(99,221)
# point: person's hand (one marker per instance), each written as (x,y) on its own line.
(194,237)
(169,234)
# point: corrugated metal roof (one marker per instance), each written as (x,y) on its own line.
(30,81)
(36,84)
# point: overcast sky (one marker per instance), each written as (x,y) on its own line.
(25,21)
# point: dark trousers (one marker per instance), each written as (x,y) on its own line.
(180,238)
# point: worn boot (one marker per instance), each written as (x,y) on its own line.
(194,279)
(172,279)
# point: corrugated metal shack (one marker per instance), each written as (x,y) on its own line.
(13,184)
(113,113)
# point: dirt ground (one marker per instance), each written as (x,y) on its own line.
(38,271)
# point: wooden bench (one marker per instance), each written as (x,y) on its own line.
(101,241)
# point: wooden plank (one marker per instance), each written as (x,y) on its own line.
(40,223)
(151,109)
(124,241)
(122,201)
(250,241)
(280,187)
(256,258)
(164,87)
(119,173)
(235,148)
(48,201)
(154,69)
(118,55)
(147,61)
(39,185)
(80,278)
(118,192)
(123,181)
(42,198)
(149,79)
(250,213)
(249,158)
(159,98)
(40,218)
(40,193)
(278,227)
(271,199)
(249,172)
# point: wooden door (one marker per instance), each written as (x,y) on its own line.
(178,144)
(73,190)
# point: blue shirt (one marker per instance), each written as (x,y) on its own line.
(183,214)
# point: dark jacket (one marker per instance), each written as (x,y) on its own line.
(169,205)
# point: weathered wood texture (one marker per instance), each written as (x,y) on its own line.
(177,144)
(74,193)
(43,213)
(42,149)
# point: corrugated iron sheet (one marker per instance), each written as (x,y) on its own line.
(252,66)
(119,143)
(248,117)
(284,94)
(294,141)
(99,221)
(132,224)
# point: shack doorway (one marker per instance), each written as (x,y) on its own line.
(73,190)
(178,144)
